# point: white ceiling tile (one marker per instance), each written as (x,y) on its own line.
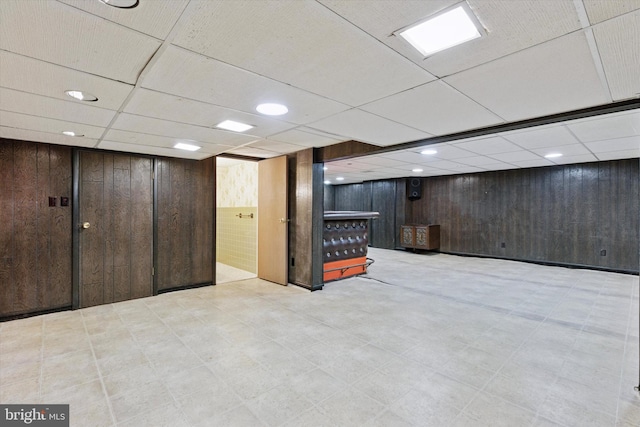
(446,165)
(42,124)
(565,150)
(147,125)
(50,138)
(155,17)
(143,139)
(158,151)
(601,10)
(189,75)
(33,76)
(619,46)
(305,139)
(70,111)
(542,137)
(276,146)
(318,48)
(608,127)
(532,163)
(481,161)
(534,83)
(450,152)
(517,156)
(435,108)
(365,127)
(350,164)
(619,144)
(63,35)
(401,156)
(509,28)
(169,107)
(491,145)
(501,166)
(567,160)
(386,160)
(615,155)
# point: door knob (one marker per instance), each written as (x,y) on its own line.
(86,225)
(283,220)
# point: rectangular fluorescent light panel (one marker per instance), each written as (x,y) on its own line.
(234,126)
(188,147)
(446,30)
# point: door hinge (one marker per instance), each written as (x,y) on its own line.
(153,271)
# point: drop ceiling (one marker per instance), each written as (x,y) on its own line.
(170,70)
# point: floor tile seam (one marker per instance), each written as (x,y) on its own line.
(318,406)
(160,377)
(510,402)
(100,376)
(462,301)
(631,317)
(497,372)
(558,377)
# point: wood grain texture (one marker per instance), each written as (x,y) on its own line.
(562,214)
(116,198)
(344,149)
(272,210)
(35,239)
(186,222)
(306,200)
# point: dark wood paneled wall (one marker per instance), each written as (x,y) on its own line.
(378,196)
(306,197)
(35,239)
(343,150)
(560,214)
(116,251)
(186,223)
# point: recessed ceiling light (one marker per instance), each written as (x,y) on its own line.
(271,109)
(553,155)
(122,4)
(429,152)
(81,96)
(327,182)
(188,147)
(234,126)
(417,170)
(450,28)
(324,168)
(71,133)
(340,178)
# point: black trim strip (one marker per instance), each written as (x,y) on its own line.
(614,107)
(539,262)
(183,287)
(75,229)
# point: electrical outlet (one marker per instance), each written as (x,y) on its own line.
(502,245)
(603,252)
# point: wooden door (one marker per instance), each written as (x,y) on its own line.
(115,204)
(272,220)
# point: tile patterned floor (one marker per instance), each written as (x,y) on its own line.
(226,273)
(428,340)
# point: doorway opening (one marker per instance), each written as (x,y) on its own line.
(236,219)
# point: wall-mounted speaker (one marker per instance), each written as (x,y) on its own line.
(414,188)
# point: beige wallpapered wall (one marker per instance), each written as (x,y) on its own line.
(237,185)
(237,193)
